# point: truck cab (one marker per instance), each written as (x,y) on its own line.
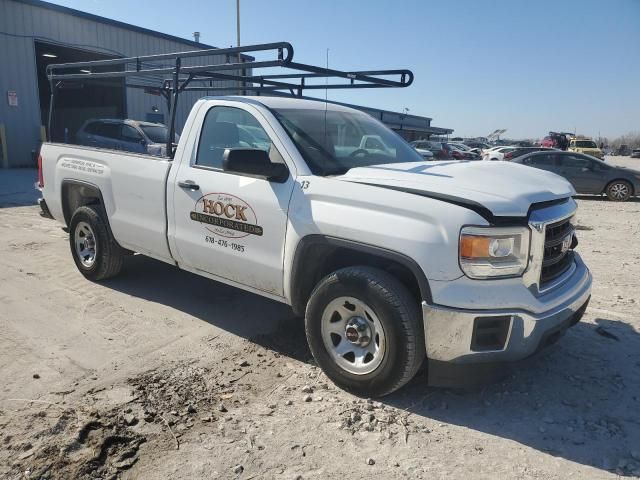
(586,146)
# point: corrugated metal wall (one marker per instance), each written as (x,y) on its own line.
(21,24)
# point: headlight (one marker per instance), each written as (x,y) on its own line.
(490,252)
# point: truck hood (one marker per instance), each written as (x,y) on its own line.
(504,189)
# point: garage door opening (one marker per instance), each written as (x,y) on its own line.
(76,102)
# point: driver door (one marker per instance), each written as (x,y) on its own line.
(226,224)
(581,173)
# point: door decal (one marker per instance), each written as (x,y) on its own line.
(226,215)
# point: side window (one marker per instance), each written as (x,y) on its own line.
(109,130)
(93,128)
(130,134)
(571,161)
(541,160)
(229,127)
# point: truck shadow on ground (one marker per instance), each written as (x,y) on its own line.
(241,313)
(578,400)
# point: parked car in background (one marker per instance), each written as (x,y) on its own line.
(476,145)
(474,152)
(460,151)
(585,145)
(460,146)
(587,174)
(635,153)
(496,153)
(128,135)
(423,148)
(438,149)
(517,152)
(623,150)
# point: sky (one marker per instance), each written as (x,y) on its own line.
(479,65)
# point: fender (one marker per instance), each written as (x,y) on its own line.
(85,187)
(301,275)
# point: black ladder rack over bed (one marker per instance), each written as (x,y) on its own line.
(174,77)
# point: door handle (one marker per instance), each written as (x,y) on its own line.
(189,184)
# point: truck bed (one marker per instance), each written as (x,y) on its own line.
(133,188)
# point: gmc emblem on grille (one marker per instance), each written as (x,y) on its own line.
(566,243)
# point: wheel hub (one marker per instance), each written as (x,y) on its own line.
(353,335)
(357,331)
(85,244)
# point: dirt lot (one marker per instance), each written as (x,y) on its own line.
(162,374)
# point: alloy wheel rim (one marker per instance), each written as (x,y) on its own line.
(619,190)
(353,335)
(85,244)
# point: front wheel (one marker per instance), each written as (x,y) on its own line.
(365,331)
(95,252)
(619,191)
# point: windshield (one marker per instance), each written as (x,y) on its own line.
(157,133)
(586,144)
(332,142)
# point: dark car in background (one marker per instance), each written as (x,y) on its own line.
(459,152)
(128,135)
(443,150)
(587,174)
(623,150)
(635,153)
(467,152)
(475,144)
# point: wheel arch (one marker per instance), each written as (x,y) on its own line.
(318,255)
(76,194)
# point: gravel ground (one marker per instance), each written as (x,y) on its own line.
(163,374)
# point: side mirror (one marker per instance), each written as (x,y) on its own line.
(253,162)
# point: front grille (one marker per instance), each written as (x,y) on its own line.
(556,261)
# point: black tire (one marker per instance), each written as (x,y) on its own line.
(108,254)
(619,191)
(397,311)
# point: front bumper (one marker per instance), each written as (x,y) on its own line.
(449,333)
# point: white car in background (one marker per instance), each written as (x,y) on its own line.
(496,153)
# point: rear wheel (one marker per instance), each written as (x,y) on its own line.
(95,252)
(365,331)
(619,191)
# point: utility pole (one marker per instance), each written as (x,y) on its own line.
(238,39)
(238,25)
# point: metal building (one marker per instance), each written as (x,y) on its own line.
(34,34)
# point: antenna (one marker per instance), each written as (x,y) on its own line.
(326,80)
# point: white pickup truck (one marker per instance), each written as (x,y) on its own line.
(392,260)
